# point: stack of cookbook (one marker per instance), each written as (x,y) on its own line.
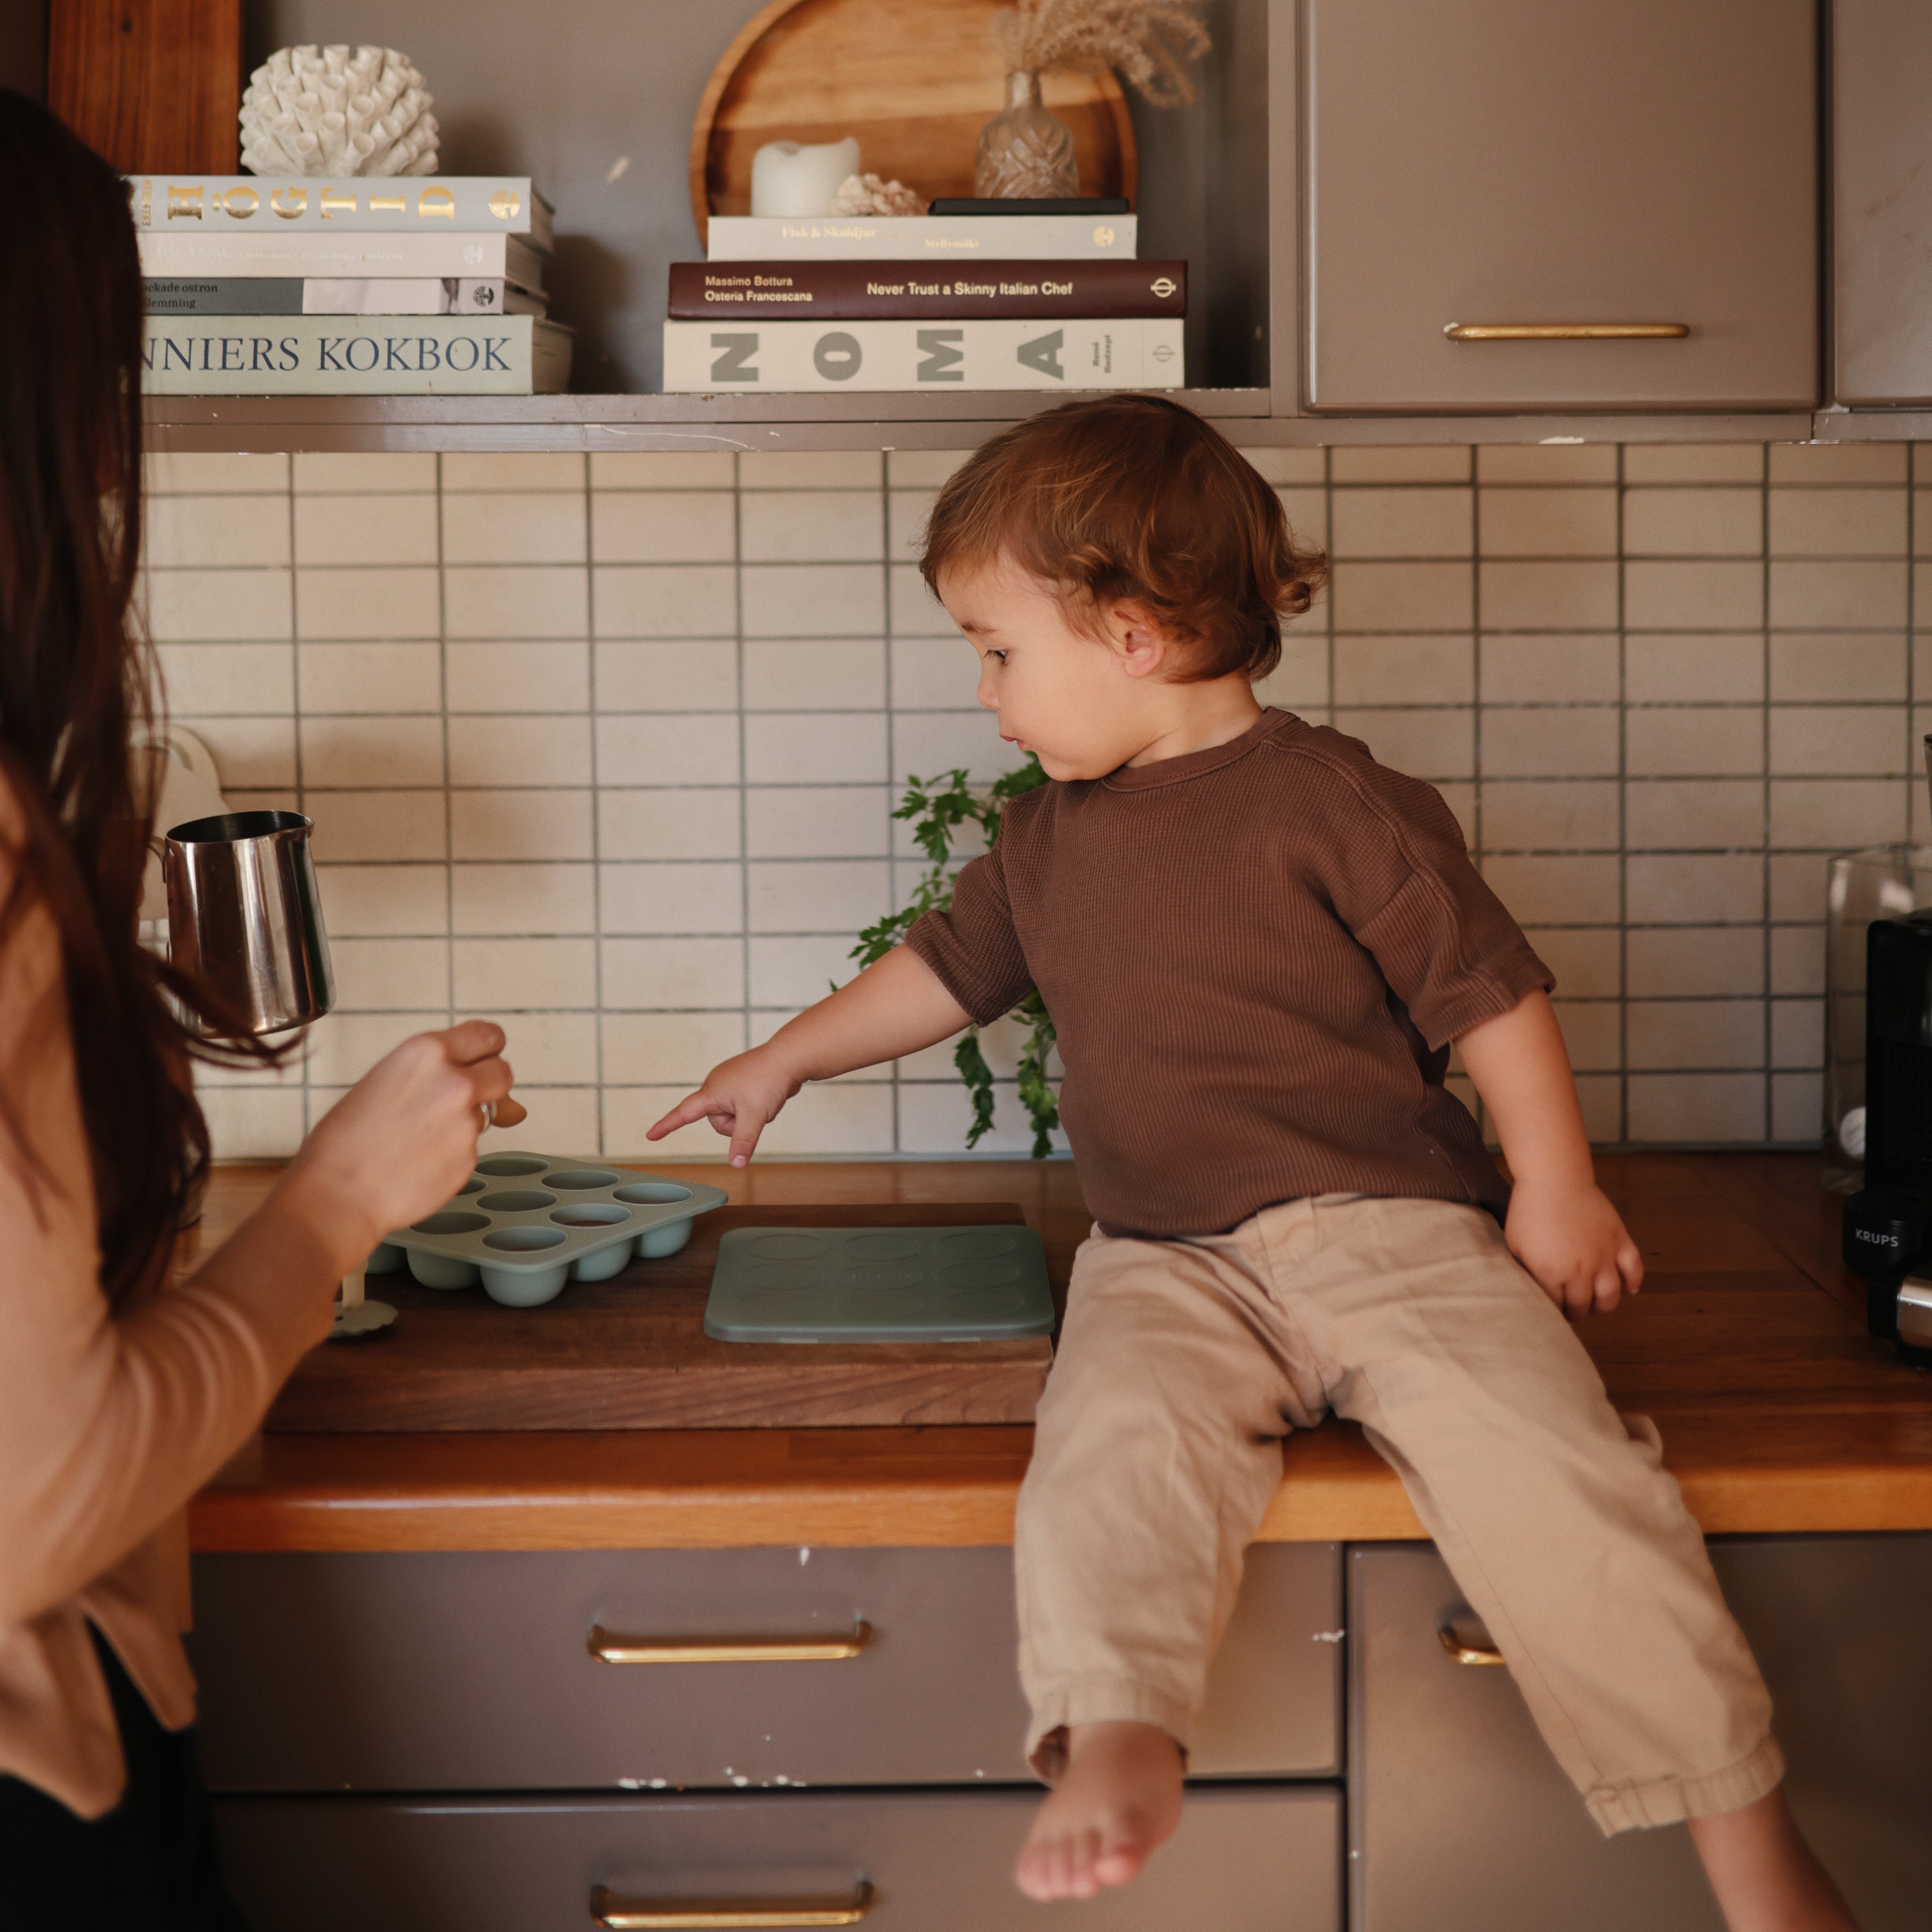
(999,294)
(405,285)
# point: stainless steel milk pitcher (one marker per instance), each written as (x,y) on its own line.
(245,915)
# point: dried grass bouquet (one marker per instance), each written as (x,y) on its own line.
(1150,43)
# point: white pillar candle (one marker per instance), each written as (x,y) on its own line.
(789,179)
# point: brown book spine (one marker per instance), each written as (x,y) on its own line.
(849,291)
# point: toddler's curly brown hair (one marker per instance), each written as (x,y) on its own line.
(1134,499)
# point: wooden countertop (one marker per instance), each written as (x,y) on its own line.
(1748,1346)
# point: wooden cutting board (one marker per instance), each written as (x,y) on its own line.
(915,92)
(631,1353)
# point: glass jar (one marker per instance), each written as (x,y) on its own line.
(1026,151)
(1882,882)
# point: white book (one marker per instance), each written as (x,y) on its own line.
(715,358)
(392,295)
(345,257)
(485,295)
(347,355)
(932,237)
(402,204)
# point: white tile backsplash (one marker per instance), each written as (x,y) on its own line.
(663,527)
(1705,595)
(810,526)
(503,750)
(672,896)
(519,677)
(181,532)
(815,747)
(510,601)
(609,746)
(398,900)
(694,823)
(670,600)
(497,823)
(377,604)
(641,749)
(527,897)
(503,974)
(515,526)
(648,974)
(524,471)
(349,529)
(371,680)
(318,472)
(811,600)
(378,825)
(701,675)
(1519,522)
(352,754)
(229,680)
(203,606)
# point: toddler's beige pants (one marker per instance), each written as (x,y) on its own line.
(1182,1365)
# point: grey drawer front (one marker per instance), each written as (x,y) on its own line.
(1460,1820)
(1244,1860)
(465,1673)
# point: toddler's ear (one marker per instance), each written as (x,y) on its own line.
(1143,647)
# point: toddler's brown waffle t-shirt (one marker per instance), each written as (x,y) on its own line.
(1255,957)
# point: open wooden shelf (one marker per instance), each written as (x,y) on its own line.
(527,423)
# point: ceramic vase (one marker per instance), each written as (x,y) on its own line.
(1026,152)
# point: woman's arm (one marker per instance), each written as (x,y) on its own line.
(111,1419)
(896,1005)
(1560,1227)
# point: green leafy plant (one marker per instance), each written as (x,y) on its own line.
(938,807)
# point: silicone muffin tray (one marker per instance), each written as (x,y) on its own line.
(525,1223)
(879,1284)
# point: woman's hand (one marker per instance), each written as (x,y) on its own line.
(1574,1243)
(740,1096)
(403,1139)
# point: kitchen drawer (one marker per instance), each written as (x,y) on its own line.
(471,1672)
(1459,1819)
(1245,1859)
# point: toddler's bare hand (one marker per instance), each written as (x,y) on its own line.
(739,1097)
(1575,1244)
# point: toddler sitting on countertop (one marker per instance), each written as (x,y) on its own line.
(1257,945)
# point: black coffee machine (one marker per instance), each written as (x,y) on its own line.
(1888,1225)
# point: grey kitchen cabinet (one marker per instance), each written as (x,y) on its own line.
(445,1671)
(1882,201)
(1459,1819)
(1245,1859)
(1604,162)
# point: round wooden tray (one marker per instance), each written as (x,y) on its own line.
(916,90)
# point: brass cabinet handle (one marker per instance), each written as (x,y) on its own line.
(1564,332)
(1460,1652)
(609,1649)
(672,1914)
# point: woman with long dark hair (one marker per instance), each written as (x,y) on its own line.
(122,1390)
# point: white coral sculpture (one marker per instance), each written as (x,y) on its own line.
(1151,43)
(338,111)
(867,194)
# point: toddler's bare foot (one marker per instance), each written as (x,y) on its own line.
(1121,1797)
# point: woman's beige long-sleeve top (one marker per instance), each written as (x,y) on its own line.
(110,1419)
